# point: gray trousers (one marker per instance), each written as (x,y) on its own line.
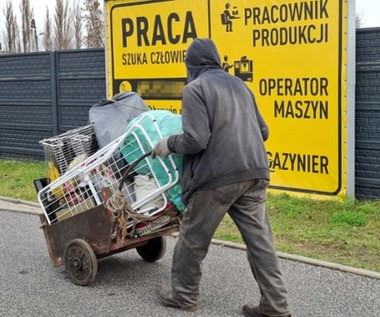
(245,203)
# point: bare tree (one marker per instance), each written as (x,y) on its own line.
(358,21)
(62,30)
(48,44)
(77,25)
(26,17)
(94,23)
(11,28)
(17,37)
(33,34)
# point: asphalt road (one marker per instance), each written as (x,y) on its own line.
(31,286)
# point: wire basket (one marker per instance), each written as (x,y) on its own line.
(90,183)
(61,150)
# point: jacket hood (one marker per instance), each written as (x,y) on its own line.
(201,55)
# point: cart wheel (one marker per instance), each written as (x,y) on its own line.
(153,250)
(80,262)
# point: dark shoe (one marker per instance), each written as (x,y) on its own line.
(253,311)
(165,296)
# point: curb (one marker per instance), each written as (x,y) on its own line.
(23,206)
(302,259)
(18,205)
(315,262)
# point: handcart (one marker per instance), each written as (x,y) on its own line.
(116,199)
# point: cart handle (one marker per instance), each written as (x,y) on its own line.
(131,167)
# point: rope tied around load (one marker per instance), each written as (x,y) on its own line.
(122,213)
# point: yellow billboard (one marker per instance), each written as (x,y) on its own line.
(293,55)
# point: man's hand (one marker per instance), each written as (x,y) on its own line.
(161,148)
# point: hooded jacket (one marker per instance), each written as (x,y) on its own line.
(223,131)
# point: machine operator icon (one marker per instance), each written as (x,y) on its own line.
(243,68)
(228,17)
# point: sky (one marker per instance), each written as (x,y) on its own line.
(368,11)
(39,10)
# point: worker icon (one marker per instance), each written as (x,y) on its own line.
(225,65)
(228,16)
